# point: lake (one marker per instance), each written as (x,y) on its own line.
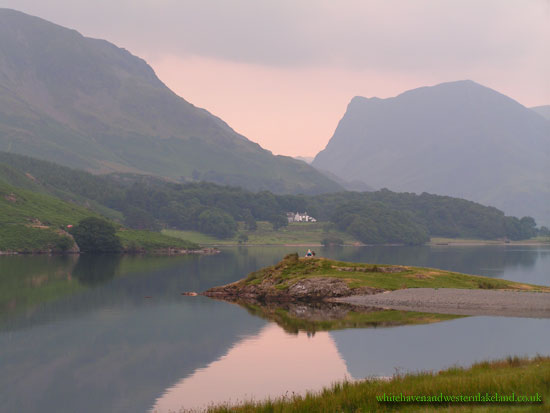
(110,333)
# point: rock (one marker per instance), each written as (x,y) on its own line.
(307,289)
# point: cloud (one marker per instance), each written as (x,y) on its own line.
(282,71)
(375,35)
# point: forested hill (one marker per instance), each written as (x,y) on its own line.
(88,104)
(145,202)
(459,139)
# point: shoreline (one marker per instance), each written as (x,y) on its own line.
(162,251)
(452,243)
(457,301)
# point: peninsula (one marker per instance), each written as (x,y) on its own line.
(405,288)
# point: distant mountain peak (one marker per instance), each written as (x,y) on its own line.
(456,138)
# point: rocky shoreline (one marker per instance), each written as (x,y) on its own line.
(312,289)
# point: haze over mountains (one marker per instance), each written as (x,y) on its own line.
(459,138)
(88,104)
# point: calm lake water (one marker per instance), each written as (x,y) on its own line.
(105,334)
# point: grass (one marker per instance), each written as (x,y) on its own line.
(295,233)
(31,222)
(19,206)
(152,241)
(293,323)
(292,269)
(26,239)
(521,376)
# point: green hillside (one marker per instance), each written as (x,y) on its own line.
(230,214)
(88,104)
(31,221)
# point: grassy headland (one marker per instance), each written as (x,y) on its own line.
(521,376)
(314,279)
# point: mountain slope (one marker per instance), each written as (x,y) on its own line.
(460,139)
(86,103)
(542,110)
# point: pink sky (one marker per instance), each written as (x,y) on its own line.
(294,111)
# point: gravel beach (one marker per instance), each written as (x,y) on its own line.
(459,301)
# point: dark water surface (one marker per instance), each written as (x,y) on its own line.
(114,334)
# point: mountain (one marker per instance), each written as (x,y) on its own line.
(459,139)
(306,159)
(86,103)
(542,110)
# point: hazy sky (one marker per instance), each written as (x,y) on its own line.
(281,72)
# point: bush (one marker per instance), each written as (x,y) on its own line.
(63,244)
(96,235)
(216,222)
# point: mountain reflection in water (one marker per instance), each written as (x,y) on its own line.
(270,364)
(78,335)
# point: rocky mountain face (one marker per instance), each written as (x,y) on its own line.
(86,103)
(460,139)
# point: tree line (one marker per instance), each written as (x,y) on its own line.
(144,202)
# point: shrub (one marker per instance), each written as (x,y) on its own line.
(96,235)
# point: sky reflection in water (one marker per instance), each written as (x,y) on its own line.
(84,338)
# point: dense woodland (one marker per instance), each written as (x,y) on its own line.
(144,202)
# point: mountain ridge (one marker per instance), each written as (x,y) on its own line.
(89,104)
(457,138)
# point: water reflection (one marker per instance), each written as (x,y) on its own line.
(75,338)
(325,316)
(441,345)
(491,261)
(92,270)
(115,357)
(269,364)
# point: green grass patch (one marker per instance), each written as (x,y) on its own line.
(387,277)
(295,233)
(19,206)
(25,239)
(151,241)
(520,376)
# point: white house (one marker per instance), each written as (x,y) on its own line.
(299,217)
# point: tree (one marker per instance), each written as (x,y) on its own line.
(139,219)
(216,222)
(279,221)
(249,220)
(96,235)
